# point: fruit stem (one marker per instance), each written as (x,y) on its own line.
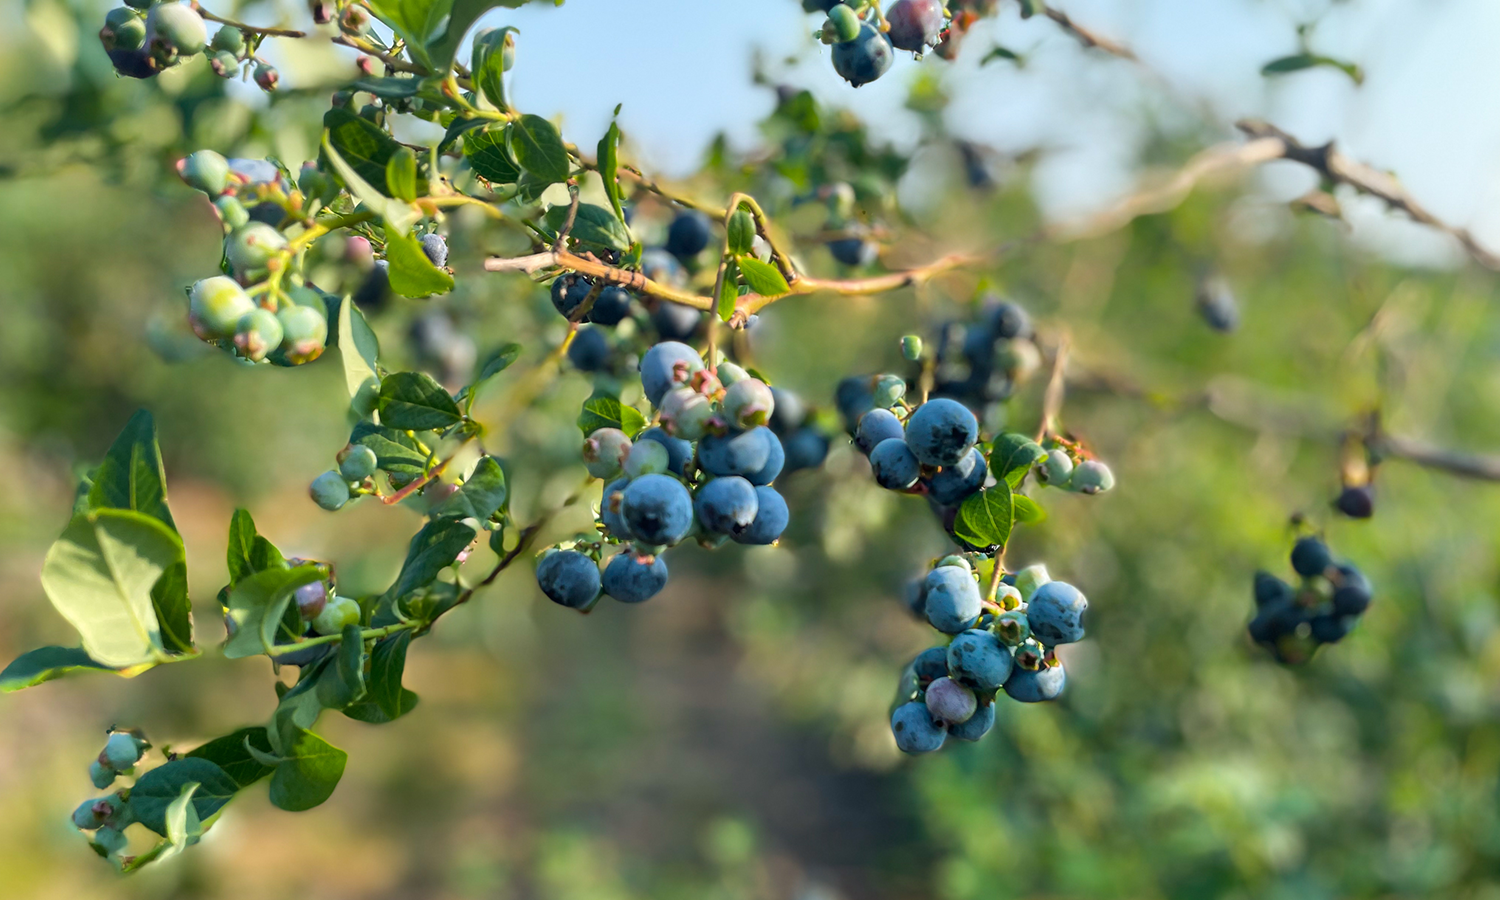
(367,634)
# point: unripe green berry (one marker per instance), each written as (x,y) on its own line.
(329,490)
(266,77)
(224,63)
(728,373)
(1091,477)
(1012,627)
(604,452)
(177,26)
(304,333)
(232,212)
(311,180)
(141,5)
(911,348)
(1031,578)
(844,23)
(101,775)
(229,38)
(258,333)
(646,458)
(124,29)
(358,463)
(954,560)
(253,245)
(111,840)
(205,170)
(888,390)
(339,612)
(686,414)
(1056,468)
(748,403)
(1007,595)
(215,307)
(121,751)
(89,815)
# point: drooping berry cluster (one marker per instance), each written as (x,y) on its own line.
(1292,622)
(1004,643)
(984,360)
(864,46)
(706,472)
(108,816)
(145,38)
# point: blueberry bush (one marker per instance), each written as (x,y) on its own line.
(531,355)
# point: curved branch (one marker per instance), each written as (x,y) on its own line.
(250,29)
(1089,38)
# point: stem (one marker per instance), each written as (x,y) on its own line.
(250,29)
(417,485)
(384,631)
(1056,387)
(995,575)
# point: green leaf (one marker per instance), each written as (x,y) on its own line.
(174,611)
(414,401)
(398,216)
(592,225)
(1030,8)
(604,410)
(431,550)
(264,555)
(412,273)
(482,493)
(460,125)
(359,350)
(392,87)
(44,664)
(489,156)
(99,576)
(299,707)
(741,232)
(498,362)
(1298,62)
(1013,455)
(308,773)
(609,167)
(401,174)
(158,788)
(538,147)
(242,536)
(232,754)
(361,144)
(1027,510)
(416,22)
(256,607)
(487,65)
(442,49)
(763,278)
(344,682)
(396,452)
(728,295)
(999,52)
(387,699)
(184,828)
(985,518)
(131,475)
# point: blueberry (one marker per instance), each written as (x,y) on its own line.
(611,306)
(1029,579)
(916,598)
(854,397)
(1270,589)
(124,29)
(1352,594)
(951,485)
(774,463)
(110,840)
(329,490)
(374,292)
(1275,621)
(914,728)
(950,702)
(726,505)
(953,559)
(205,170)
(842,25)
(930,665)
(667,365)
(894,465)
(215,307)
(687,414)
(267,213)
(911,348)
(663,268)
(604,452)
(311,600)
(941,432)
(657,509)
(915,24)
(1217,305)
(953,602)
(609,510)
(865,58)
(258,333)
(337,614)
(568,578)
(1055,613)
(1356,502)
(1007,321)
(133,63)
(436,249)
(304,333)
(177,27)
(266,77)
(1056,468)
(1091,477)
(855,252)
(788,412)
(1036,685)
(1012,627)
(568,293)
(1310,557)
(1331,628)
(736,452)
(978,724)
(121,751)
(806,448)
(589,351)
(979,660)
(820,5)
(875,426)
(253,245)
(630,578)
(688,234)
(675,321)
(101,775)
(771,518)
(679,452)
(231,212)
(646,458)
(229,38)
(889,389)
(748,403)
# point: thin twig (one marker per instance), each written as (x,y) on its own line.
(567,225)
(1052,401)
(251,29)
(1090,38)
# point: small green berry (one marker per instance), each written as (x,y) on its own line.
(889,389)
(101,775)
(229,38)
(844,24)
(358,463)
(1057,468)
(258,333)
(748,403)
(304,333)
(215,307)
(110,839)
(911,348)
(205,170)
(1012,627)
(124,29)
(121,751)
(329,490)
(89,815)
(954,560)
(728,373)
(224,63)
(646,458)
(232,212)
(177,26)
(338,613)
(253,245)
(266,77)
(1091,477)
(1031,578)
(604,452)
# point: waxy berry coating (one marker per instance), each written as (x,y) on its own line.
(941,432)
(568,578)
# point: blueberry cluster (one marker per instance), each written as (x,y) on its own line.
(1065,467)
(862,50)
(107,817)
(1292,622)
(320,610)
(143,38)
(705,471)
(983,361)
(1004,643)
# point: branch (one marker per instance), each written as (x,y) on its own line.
(1340,169)
(565,259)
(1052,400)
(251,29)
(1088,38)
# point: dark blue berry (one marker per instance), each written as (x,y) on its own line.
(1356,502)
(568,293)
(854,251)
(736,452)
(1275,621)
(1310,557)
(854,397)
(806,448)
(133,63)
(675,321)
(667,365)
(679,451)
(1270,589)
(930,665)
(611,306)
(914,24)
(979,660)
(1055,613)
(589,351)
(568,578)
(914,728)
(1036,685)
(950,702)
(688,234)
(875,426)
(953,602)
(865,58)
(771,518)
(916,597)
(609,510)
(951,485)
(657,509)
(1352,595)
(374,292)
(1007,321)
(978,724)
(436,249)
(726,505)
(1217,305)
(788,413)
(774,463)
(630,578)
(1331,628)
(941,432)
(894,465)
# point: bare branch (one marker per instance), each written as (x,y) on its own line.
(249,29)
(1089,38)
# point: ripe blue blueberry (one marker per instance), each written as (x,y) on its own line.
(1091,477)
(133,63)
(1269,589)
(979,660)
(806,448)
(865,58)
(215,307)
(895,466)
(726,505)
(679,452)
(914,24)
(854,396)
(855,252)
(568,578)
(914,728)
(374,292)
(1356,501)
(436,249)
(941,432)
(1331,628)
(589,351)
(1352,593)
(604,452)
(1055,613)
(657,509)
(611,306)
(736,452)
(875,426)
(950,702)
(688,234)
(771,518)
(568,293)
(662,267)
(609,510)
(953,602)
(675,321)
(1276,620)
(775,462)
(121,751)
(329,490)
(930,665)
(1217,305)
(1311,557)
(1008,321)
(788,412)
(631,578)
(916,598)
(977,726)
(1036,685)
(667,365)
(951,485)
